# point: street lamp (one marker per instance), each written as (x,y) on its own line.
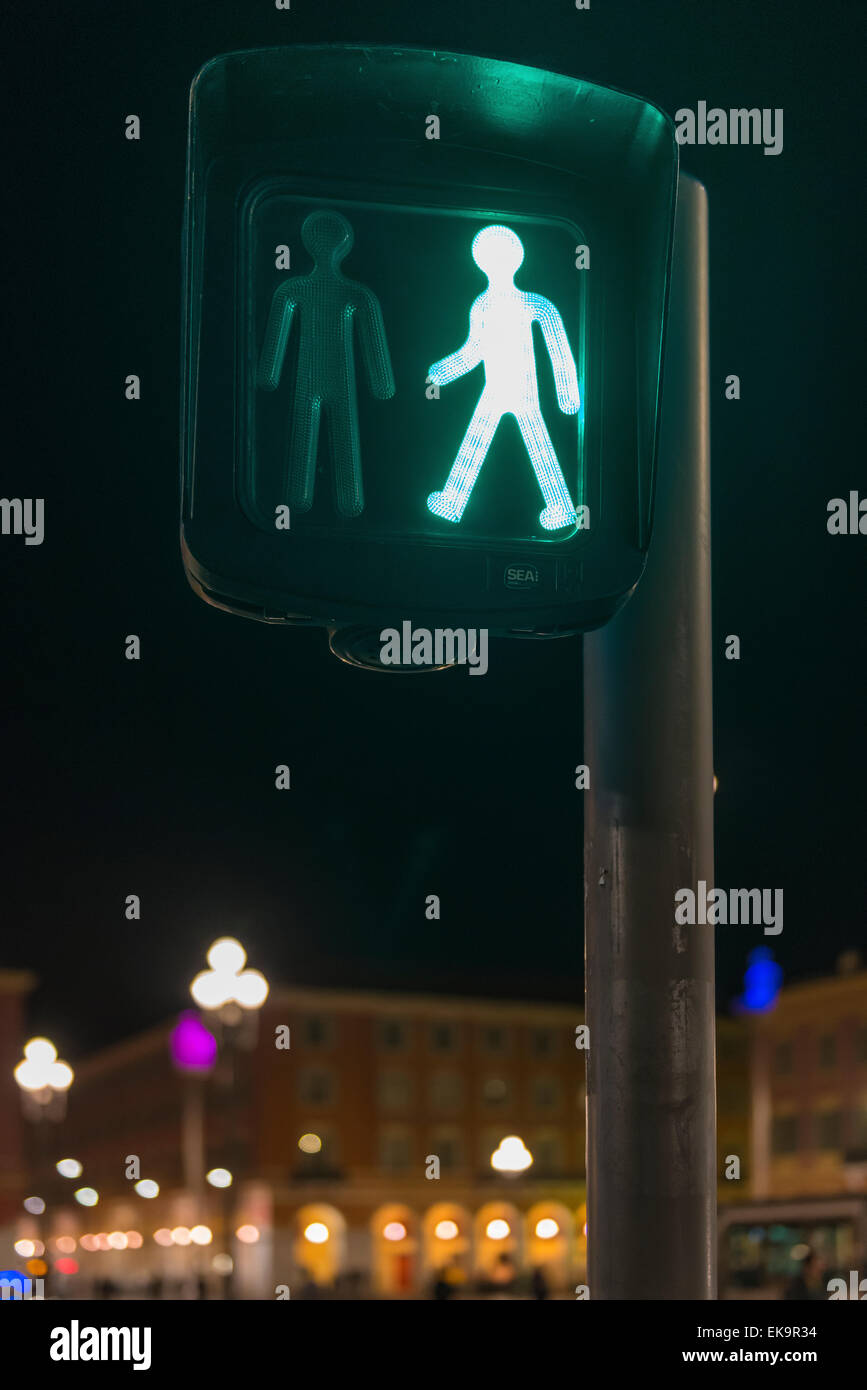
(43,1080)
(227,986)
(232,995)
(194,1051)
(511,1155)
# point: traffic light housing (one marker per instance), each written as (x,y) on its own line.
(423,325)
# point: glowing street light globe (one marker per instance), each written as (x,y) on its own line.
(547,1228)
(251,989)
(446,1230)
(497,1230)
(227,982)
(317,1233)
(511,1156)
(226,956)
(219,1177)
(69,1168)
(41,1070)
(210,990)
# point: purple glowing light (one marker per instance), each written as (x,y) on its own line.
(193,1048)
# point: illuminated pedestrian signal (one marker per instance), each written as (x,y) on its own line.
(445,410)
(501,339)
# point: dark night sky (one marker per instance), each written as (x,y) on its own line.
(157,777)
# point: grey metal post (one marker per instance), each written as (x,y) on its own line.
(651,1103)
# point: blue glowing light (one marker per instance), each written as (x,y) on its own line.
(762,980)
(16,1283)
(501,337)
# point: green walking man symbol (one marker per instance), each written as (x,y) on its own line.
(501,339)
(327,306)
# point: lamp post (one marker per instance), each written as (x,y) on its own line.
(43,1082)
(511,1157)
(232,995)
(193,1051)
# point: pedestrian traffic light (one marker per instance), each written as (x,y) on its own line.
(424,306)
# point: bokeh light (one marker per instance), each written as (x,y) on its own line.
(445,1230)
(511,1155)
(41,1068)
(497,1230)
(227,982)
(193,1047)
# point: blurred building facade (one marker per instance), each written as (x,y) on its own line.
(807,1169)
(809,1088)
(360,1127)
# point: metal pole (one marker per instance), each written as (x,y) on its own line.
(193,1140)
(193,1147)
(651,1112)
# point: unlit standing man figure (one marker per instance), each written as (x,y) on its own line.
(327,306)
